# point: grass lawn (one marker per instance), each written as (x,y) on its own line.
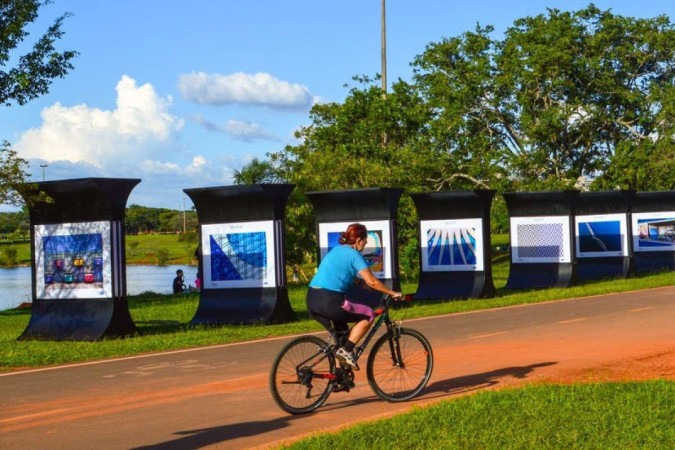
(588,416)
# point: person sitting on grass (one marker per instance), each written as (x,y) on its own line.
(179,282)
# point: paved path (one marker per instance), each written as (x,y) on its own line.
(218,396)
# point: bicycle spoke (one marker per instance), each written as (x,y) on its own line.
(403,380)
(301,378)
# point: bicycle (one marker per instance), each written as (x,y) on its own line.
(305,373)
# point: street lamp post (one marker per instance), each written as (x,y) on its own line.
(44,166)
(184,229)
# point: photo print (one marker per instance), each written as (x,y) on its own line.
(543,239)
(376,252)
(238,255)
(72,260)
(452,245)
(654,232)
(601,235)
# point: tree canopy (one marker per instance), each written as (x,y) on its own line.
(562,96)
(27,77)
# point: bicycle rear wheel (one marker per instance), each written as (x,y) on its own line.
(302,375)
(400,367)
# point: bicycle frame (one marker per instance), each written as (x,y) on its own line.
(382,318)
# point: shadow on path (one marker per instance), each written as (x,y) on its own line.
(478,381)
(194,439)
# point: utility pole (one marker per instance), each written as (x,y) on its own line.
(384,50)
(383,33)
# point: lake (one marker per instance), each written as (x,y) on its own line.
(15,283)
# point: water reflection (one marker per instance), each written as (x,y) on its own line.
(15,283)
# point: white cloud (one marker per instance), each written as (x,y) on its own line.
(240,130)
(140,122)
(247,131)
(260,89)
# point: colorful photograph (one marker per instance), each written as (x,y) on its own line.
(376,252)
(654,232)
(73,260)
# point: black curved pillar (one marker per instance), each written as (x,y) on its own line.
(242,254)
(78,260)
(653,231)
(376,208)
(541,226)
(455,256)
(601,228)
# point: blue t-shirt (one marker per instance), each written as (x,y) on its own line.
(338,269)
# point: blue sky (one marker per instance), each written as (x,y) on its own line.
(181,93)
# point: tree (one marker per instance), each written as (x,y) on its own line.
(28,79)
(559,98)
(35,70)
(256,172)
(12,173)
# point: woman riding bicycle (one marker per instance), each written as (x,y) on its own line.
(326,296)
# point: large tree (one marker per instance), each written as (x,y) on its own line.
(29,76)
(558,98)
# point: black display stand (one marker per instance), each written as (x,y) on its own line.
(593,242)
(538,206)
(361,205)
(659,254)
(449,283)
(92,209)
(241,204)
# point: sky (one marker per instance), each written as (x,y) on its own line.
(182,93)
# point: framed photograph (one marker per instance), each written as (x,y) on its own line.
(544,239)
(601,235)
(72,261)
(238,255)
(377,250)
(452,245)
(654,232)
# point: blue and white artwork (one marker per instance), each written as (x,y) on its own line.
(654,232)
(543,239)
(238,255)
(73,260)
(602,235)
(452,245)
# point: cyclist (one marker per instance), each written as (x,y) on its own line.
(326,296)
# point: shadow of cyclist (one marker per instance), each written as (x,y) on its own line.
(474,382)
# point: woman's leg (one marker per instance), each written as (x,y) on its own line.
(357,332)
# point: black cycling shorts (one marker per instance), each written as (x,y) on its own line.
(325,306)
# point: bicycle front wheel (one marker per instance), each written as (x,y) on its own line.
(399,367)
(302,375)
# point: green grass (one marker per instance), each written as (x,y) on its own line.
(590,416)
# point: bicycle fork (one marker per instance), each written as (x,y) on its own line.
(395,347)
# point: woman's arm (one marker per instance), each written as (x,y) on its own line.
(374,283)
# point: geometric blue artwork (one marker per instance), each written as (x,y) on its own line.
(451,246)
(540,239)
(238,256)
